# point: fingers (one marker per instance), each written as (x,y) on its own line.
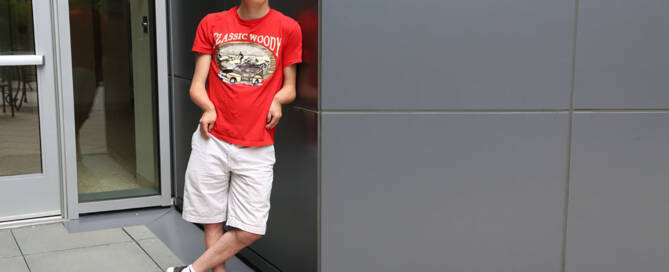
(269,125)
(273,122)
(204,129)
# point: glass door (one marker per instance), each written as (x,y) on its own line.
(116,105)
(30,177)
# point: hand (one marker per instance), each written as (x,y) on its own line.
(207,122)
(274,114)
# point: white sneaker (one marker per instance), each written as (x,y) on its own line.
(176,269)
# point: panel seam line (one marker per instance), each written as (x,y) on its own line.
(563,253)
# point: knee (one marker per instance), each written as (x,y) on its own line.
(247,237)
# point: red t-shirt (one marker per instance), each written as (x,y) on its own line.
(246,71)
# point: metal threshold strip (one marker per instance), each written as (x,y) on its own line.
(31,221)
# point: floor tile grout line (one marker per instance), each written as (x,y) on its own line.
(11,231)
(132,240)
(9,257)
(91,246)
(143,249)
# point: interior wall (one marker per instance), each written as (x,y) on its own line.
(118,99)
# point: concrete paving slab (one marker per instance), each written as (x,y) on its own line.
(14,264)
(8,246)
(186,240)
(51,237)
(160,253)
(126,257)
(140,232)
(115,219)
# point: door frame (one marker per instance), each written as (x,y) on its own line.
(71,206)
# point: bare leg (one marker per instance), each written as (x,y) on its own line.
(212,232)
(227,246)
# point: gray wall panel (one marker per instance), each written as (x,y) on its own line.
(618,211)
(621,50)
(508,54)
(443,192)
(184,18)
(290,242)
(185,116)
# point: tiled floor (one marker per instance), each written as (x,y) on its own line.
(136,240)
(184,239)
(51,247)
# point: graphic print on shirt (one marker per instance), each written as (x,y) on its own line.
(242,62)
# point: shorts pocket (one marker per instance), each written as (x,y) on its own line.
(196,138)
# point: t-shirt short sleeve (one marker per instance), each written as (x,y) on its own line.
(292,52)
(203,39)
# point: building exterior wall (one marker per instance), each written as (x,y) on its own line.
(183,17)
(493,135)
(489,135)
(618,205)
(290,243)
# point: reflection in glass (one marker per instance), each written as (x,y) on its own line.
(19,120)
(113,66)
(16,27)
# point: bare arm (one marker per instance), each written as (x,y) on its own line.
(284,96)
(198,93)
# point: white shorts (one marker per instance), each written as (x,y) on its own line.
(228,182)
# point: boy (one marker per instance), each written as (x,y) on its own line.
(249,55)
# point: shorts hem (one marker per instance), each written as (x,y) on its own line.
(203,219)
(234,222)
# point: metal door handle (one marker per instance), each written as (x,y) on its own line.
(20,60)
(145,24)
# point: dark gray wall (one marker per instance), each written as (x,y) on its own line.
(490,135)
(512,135)
(291,240)
(184,17)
